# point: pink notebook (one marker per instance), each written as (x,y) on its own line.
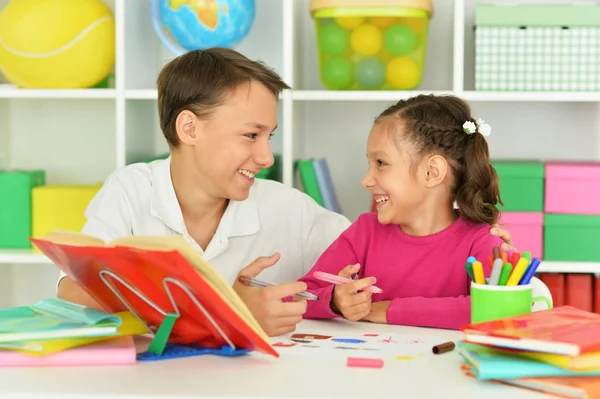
(114,351)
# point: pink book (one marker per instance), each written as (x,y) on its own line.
(114,351)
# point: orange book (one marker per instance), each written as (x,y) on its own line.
(150,265)
(564,330)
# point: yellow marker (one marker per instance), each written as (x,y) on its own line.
(518,271)
(478,272)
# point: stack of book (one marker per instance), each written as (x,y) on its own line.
(555,351)
(53,332)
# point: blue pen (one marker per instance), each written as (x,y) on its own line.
(471,259)
(527,276)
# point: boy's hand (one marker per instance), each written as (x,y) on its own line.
(275,316)
(347,300)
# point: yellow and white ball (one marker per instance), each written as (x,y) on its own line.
(56,43)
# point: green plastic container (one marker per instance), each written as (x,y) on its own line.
(521,185)
(15,206)
(371,44)
(571,237)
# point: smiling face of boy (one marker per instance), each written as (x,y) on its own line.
(231,145)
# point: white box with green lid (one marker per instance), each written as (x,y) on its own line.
(537,47)
(371,44)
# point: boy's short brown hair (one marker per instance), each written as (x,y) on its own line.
(199,80)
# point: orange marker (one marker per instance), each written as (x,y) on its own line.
(518,271)
(504,257)
(478,272)
(490,261)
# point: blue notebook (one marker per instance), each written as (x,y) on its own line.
(323,176)
(491,366)
(54,318)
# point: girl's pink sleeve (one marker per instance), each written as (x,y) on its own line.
(341,253)
(444,312)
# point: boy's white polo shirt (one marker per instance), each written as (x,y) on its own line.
(139,199)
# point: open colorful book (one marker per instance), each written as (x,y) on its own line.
(152,275)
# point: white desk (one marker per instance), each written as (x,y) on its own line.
(263,377)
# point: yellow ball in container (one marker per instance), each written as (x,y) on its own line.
(56,43)
(366,40)
(349,22)
(403,73)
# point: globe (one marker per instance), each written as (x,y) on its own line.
(184,25)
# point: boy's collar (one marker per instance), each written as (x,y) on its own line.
(240,217)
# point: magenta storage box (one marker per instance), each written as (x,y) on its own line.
(527,231)
(572,188)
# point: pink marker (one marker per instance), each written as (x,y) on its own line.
(364,362)
(333,279)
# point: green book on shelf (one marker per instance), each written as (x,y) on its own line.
(309,180)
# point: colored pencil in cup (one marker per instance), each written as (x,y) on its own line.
(469,268)
(333,279)
(530,272)
(478,273)
(496,271)
(505,274)
(518,271)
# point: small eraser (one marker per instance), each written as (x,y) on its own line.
(364,362)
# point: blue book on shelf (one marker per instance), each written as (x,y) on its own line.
(55,318)
(323,176)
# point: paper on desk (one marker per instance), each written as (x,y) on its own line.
(396,346)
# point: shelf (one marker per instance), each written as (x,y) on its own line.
(22,256)
(569,267)
(539,96)
(358,95)
(142,94)
(469,95)
(57,93)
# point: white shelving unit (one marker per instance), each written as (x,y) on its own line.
(81,136)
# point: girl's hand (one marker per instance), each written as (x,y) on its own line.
(498,231)
(378,312)
(348,300)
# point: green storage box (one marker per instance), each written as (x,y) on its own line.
(521,185)
(571,237)
(15,206)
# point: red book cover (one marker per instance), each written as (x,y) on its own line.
(564,330)
(556,284)
(578,291)
(147,270)
(597,295)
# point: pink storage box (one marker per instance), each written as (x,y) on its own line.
(572,188)
(527,231)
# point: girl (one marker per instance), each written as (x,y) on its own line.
(425,154)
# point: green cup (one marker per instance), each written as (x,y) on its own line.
(492,302)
